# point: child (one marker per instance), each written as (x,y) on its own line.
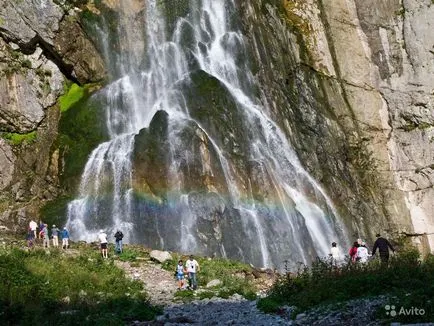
(180,271)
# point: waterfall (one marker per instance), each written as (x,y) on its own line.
(294,220)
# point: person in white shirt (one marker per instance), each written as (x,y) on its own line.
(103,240)
(362,253)
(33,225)
(192,267)
(334,253)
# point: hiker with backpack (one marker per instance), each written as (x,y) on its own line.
(118,236)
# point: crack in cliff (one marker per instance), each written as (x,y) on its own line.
(48,49)
(333,52)
(7,156)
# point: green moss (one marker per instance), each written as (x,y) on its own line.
(81,129)
(54,212)
(18,139)
(26,64)
(73,95)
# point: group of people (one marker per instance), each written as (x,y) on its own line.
(188,271)
(46,235)
(359,251)
(102,236)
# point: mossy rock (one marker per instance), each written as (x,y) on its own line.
(150,157)
(81,129)
(173,10)
(55,211)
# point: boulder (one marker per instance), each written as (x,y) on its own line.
(160,256)
(214,283)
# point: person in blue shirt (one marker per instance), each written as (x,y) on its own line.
(65,238)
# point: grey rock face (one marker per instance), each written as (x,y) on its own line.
(22,21)
(7,160)
(352,84)
(28,85)
(41,47)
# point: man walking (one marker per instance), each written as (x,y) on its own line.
(192,267)
(119,236)
(383,247)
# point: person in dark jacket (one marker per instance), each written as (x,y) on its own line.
(119,236)
(383,247)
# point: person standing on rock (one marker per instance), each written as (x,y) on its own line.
(180,271)
(103,240)
(55,236)
(192,267)
(383,247)
(65,238)
(119,236)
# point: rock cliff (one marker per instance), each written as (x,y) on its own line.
(349,81)
(42,49)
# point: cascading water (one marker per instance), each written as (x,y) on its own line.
(277,208)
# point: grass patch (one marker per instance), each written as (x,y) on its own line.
(72,96)
(407,280)
(18,139)
(55,288)
(223,269)
(128,255)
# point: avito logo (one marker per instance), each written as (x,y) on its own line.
(413,311)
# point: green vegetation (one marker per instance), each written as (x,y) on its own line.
(81,129)
(72,96)
(54,212)
(54,288)
(18,139)
(231,273)
(408,281)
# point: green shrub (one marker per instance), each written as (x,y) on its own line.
(18,139)
(128,255)
(42,287)
(406,279)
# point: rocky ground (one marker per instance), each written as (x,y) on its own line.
(236,310)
